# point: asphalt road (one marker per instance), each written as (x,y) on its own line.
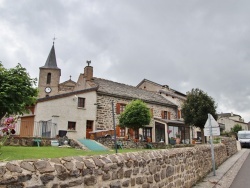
(242,179)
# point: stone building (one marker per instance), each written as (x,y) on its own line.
(85,106)
(228,120)
(175,125)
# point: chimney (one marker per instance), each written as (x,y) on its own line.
(88,72)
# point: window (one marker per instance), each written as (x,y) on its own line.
(147,133)
(48,78)
(81,102)
(122,132)
(71,125)
(120,107)
(136,132)
(165,115)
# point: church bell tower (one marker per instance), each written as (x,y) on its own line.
(49,76)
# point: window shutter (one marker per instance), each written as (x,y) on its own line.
(169,115)
(162,114)
(118,131)
(179,114)
(118,108)
(152,112)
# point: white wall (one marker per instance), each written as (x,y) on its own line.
(66,109)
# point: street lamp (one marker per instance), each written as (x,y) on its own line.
(114,125)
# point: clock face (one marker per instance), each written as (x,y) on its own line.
(48,89)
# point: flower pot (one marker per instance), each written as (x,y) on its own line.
(178,140)
(173,142)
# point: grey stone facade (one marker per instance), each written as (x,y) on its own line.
(104,118)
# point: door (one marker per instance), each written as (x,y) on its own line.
(159,132)
(27,126)
(89,128)
(147,134)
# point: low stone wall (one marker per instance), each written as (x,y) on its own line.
(129,144)
(231,145)
(179,167)
(30,141)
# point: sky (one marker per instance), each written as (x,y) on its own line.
(184,44)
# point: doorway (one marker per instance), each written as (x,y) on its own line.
(89,128)
(159,132)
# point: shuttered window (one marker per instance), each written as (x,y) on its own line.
(166,115)
(120,107)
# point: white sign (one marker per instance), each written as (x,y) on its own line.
(213,122)
(215,131)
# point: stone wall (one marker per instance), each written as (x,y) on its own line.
(128,144)
(231,145)
(181,167)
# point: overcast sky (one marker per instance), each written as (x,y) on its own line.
(185,44)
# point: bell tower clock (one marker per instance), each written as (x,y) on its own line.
(49,76)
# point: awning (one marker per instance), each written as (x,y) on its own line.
(169,122)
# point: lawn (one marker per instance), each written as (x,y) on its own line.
(9,153)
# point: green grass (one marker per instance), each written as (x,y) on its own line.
(9,153)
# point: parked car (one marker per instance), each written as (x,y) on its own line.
(244,138)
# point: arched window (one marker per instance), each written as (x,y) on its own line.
(48,78)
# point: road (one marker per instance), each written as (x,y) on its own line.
(242,179)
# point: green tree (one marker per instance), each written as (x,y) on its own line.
(16,90)
(196,109)
(136,115)
(236,128)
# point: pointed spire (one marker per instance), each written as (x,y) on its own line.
(51,60)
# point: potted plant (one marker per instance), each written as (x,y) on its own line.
(178,138)
(172,141)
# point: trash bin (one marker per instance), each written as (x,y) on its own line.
(62,133)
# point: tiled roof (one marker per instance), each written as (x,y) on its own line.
(127,91)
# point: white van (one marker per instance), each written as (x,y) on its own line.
(244,138)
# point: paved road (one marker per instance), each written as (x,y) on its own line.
(242,179)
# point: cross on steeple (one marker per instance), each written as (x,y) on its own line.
(88,62)
(54,39)
(70,77)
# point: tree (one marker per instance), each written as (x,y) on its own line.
(136,115)
(196,108)
(236,128)
(16,90)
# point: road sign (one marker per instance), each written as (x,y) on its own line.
(211,122)
(215,131)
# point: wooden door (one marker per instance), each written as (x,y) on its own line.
(89,128)
(27,126)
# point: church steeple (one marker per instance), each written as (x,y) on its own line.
(51,60)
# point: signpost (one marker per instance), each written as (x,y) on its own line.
(211,129)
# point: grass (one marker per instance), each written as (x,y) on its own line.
(9,153)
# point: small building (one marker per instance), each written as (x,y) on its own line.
(229,120)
